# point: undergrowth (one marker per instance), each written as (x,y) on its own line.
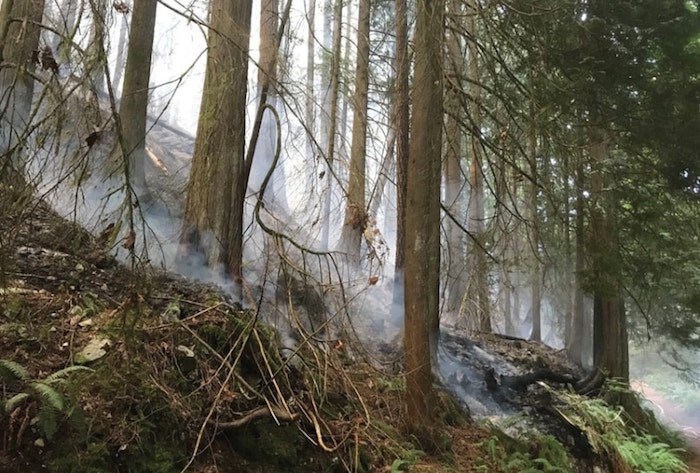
(610,435)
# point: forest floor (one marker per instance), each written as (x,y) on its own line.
(182,378)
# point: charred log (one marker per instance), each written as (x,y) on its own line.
(521,382)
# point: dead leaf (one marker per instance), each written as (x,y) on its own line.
(129,241)
(43,57)
(121,7)
(93,138)
(106,234)
(373,280)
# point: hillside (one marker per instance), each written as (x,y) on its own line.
(178,377)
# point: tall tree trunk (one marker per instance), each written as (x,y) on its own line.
(453,173)
(574,346)
(422,244)
(275,195)
(356,211)
(402,148)
(133,109)
(310,70)
(536,274)
(121,53)
(19,37)
(346,71)
(269,13)
(329,123)
(479,288)
(66,28)
(213,220)
(569,282)
(96,59)
(385,170)
(610,349)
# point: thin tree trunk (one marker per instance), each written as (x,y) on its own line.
(536,274)
(347,73)
(133,109)
(121,54)
(575,344)
(453,173)
(67,18)
(402,148)
(96,59)
(356,212)
(423,219)
(310,69)
(508,307)
(385,171)
(332,120)
(269,13)
(477,257)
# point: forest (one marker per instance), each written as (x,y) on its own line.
(352,235)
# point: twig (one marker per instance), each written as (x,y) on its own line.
(274,411)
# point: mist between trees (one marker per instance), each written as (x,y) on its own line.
(527,168)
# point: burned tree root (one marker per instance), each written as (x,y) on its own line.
(591,384)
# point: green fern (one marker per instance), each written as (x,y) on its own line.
(606,430)
(646,455)
(49,396)
(53,407)
(14,402)
(47,422)
(11,370)
(61,375)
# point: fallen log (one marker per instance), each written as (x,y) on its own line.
(521,382)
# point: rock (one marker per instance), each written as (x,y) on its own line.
(94,350)
(186,359)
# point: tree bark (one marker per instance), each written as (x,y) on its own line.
(423,218)
(610,348)
(356,218)
(329,122)
(269,13)
(453,174)
(19,38)
(402,129)
(536,274)
(133,109)
(479,289)
(401,124)
(574,345)
(310,72)
(121,54)
(96,59)
(213,220)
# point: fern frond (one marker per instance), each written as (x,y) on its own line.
(50,397)
(59,375)
(10,370)
(47,422)
(15,401)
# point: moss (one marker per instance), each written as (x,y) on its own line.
(278,448)
(94,458)
(160,456)
(265,442)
